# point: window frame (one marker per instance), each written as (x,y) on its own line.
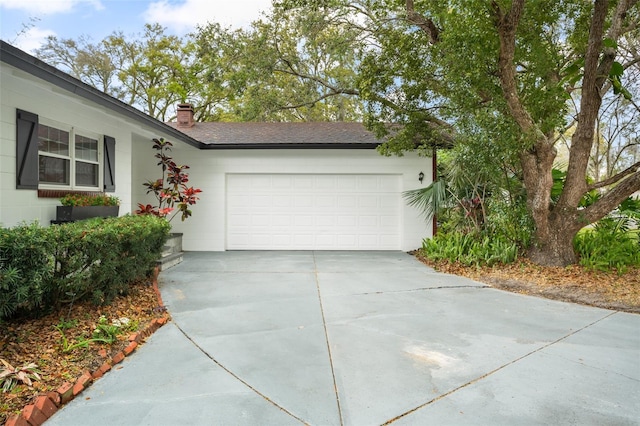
(73,131)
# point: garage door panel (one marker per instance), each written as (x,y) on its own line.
(301,200)
(281,201)
(325,202)
(303,182)
(281,220)
(313,212)
(326,221)
(281,182)
(260,221)
(368,184)
(347,202)
(347,183)
(239,201)
(389,222)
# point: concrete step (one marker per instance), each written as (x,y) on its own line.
(170,260)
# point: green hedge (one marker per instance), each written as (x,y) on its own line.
(44,268)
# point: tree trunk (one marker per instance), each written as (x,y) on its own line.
(557,248)
(556,226)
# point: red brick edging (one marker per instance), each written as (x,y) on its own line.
(46,405)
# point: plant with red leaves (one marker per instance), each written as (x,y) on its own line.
(171,189)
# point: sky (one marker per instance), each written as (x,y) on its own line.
(26,23)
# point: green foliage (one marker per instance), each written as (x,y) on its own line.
(604,248)
(26,268)
(559,177)
(9,280)
(470,248)
(105,332)
(58,265)
(430,200)
(510,221)
(152,71)
(171,189)
(291,65)
(108,332)
(89,200)
(612,242)
(475,199)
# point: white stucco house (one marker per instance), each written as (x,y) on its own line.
(267,186)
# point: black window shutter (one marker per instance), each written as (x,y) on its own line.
(109,164)
(26,150)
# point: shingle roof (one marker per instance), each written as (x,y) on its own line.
(217,135)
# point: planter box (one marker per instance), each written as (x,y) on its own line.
(73,213)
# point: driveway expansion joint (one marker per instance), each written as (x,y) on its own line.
(444,287)
(326,335)
(514,361)
(235,376)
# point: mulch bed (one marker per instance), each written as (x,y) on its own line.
(576,284)
(23,341)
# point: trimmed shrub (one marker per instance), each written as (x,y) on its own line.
(43,268)
(26,268)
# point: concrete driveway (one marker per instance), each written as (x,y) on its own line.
(364,338)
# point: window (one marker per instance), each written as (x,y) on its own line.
(87,166)
(55,155)
(67,158)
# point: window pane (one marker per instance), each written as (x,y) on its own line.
(52,140)
(54,170)
(86,148)
(86,174)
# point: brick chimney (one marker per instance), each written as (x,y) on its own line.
(185,115)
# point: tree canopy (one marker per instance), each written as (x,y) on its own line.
(515,87)
(507,79)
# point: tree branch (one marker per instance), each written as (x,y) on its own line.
(616,178)
(425,24)
(314,101)
(318,80)
(596,70)
(507,24)
(614,33)
(611,199)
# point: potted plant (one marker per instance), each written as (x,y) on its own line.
(77,206)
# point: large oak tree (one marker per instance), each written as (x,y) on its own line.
(518,72)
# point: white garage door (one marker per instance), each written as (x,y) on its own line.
(313,212)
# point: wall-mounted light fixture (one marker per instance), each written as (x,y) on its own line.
(420,177)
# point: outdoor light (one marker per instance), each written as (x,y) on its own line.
(420,177)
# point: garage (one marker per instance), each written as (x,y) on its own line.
(313,211)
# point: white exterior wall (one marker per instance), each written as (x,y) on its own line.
(206,229)
(135,164)
(20,90)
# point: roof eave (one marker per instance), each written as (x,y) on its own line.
(229,146)
(30,64)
